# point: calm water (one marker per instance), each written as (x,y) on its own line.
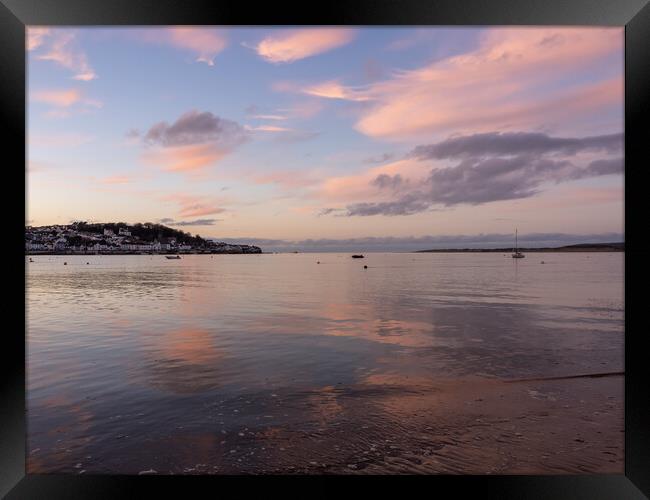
(273,363)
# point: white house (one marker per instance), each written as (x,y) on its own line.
(60,244)
(35,246)
(136,247)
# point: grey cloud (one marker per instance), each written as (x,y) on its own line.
(515,143)
(196,127)
(605,167)
(197,222)
(385,181)
(472,182)
(380,159)
(397,244)
(492,167)
(494,179)
(409,204)
(328,211)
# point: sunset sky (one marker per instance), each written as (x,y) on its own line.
(420,135)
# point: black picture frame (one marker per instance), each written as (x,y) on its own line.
(633,14)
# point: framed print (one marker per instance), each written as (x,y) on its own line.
(369,243)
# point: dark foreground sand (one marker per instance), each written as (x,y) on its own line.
(474,427)
(396,425)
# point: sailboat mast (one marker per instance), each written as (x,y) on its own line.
(516,240)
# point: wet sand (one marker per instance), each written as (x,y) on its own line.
(393,426)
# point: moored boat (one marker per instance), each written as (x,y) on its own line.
(517,254)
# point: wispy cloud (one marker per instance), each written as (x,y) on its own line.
(59,98)
(292,45)
(499,85)
(285,178)
(65,102)
(59,140)
(194,205)
(36,35)
(204,43)
(284,134)
(197,222)
(334,90)
(267,128)
(383,158)
(116,179)
(269,117)
(60,47)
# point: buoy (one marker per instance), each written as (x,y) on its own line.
(542,262)
(318,262)
(87,263)
(365,267)
(65,263)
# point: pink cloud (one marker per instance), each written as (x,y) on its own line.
(193,206)
(303,110)
(116,179)
(269,117)
(286,179)
(334,90)
(36,36)
(59,98)
(293,45)
(61,49)
(355,187)
(507,83)
(188,158)
(65,102)
(63,139)
(267,128)
(205,43)
(200,209)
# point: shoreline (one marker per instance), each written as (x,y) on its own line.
(523,250)
(463,250)
(140,253)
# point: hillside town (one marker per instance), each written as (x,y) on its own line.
(121,238)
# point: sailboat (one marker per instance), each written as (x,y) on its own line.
(517,254)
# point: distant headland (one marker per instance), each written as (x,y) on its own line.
(122,238)
(581,247)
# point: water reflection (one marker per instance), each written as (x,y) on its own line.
(183,361)
(275,364)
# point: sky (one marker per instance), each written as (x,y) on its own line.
(322,137)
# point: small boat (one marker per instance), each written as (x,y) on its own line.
(517,254)
(357,256)
(172,256)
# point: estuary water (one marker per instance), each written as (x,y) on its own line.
(311,364)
